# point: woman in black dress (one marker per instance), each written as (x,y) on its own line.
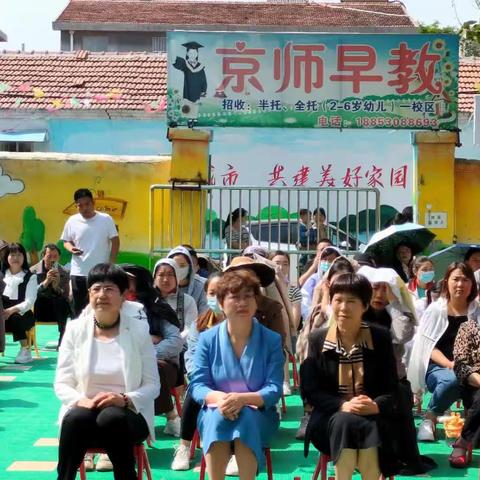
(350,379)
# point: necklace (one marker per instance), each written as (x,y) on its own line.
(101,326)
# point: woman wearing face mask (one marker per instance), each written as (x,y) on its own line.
(422,283)
(206,320)
(432,359)
(328,255)
(165,280)
(188,281)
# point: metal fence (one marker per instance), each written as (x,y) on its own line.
(199,217)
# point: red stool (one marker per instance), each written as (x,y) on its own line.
(178,403)
(321,468)
(268,459)
(141,458)
(194,444)
(284,404)
(293,361)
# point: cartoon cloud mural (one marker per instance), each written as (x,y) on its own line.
(8,185)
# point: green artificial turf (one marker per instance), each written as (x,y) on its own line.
(29,408)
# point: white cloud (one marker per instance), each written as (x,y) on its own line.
(9,186)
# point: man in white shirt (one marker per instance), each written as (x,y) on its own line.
(92,238)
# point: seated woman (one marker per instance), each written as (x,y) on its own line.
(237,377)
(467,370)
(422,283)
(213,316)
(106,379)
(165,334)
(349,378)
(392,307)
(18,298)
(165,275)
(431,361)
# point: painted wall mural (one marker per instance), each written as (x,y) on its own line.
(36,213)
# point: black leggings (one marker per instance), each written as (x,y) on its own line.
(190,413)
(115,429)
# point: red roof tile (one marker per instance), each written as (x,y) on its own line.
(306,15)
(468,84)
(94,80)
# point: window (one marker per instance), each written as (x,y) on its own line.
(16,146)
(159,44)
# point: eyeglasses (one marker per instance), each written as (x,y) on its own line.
(106,289)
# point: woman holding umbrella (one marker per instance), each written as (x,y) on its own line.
(396,245)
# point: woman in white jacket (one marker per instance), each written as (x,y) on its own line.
(106,379)
(431,360)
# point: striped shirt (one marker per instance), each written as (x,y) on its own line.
(294,294)
(350,368)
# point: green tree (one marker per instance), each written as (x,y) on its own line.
(33,234)
(435,27)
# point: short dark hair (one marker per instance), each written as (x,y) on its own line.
(50,246)
(419,261)
(278,253)
(353,284)
(471,251)
(82,193)
(211,277)
(321,211)
(303,211)
(108,272)
(467,271)
(325,240)
(236,280)
(14,248)
(340,265)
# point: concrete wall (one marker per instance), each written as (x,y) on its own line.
(46,182)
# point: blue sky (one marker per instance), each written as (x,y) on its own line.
(30,21)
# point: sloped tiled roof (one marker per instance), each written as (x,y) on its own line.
(94,80)
(308,15)
(468,84)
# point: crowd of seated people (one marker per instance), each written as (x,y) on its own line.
(369,341)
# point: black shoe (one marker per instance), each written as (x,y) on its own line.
(300,435)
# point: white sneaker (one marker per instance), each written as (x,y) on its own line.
(426,431)
(88,462)
(103,463)
(24,356)
(287,391)
(173,427)
(232,467)
(181,458)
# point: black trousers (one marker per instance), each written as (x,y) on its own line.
(19,325)
(168,376)
(115,429)
(80,294)
(190,413)
(55,309)
(471,427)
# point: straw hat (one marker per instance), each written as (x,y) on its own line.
(263,272)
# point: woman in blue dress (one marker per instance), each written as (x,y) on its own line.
(237,379)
